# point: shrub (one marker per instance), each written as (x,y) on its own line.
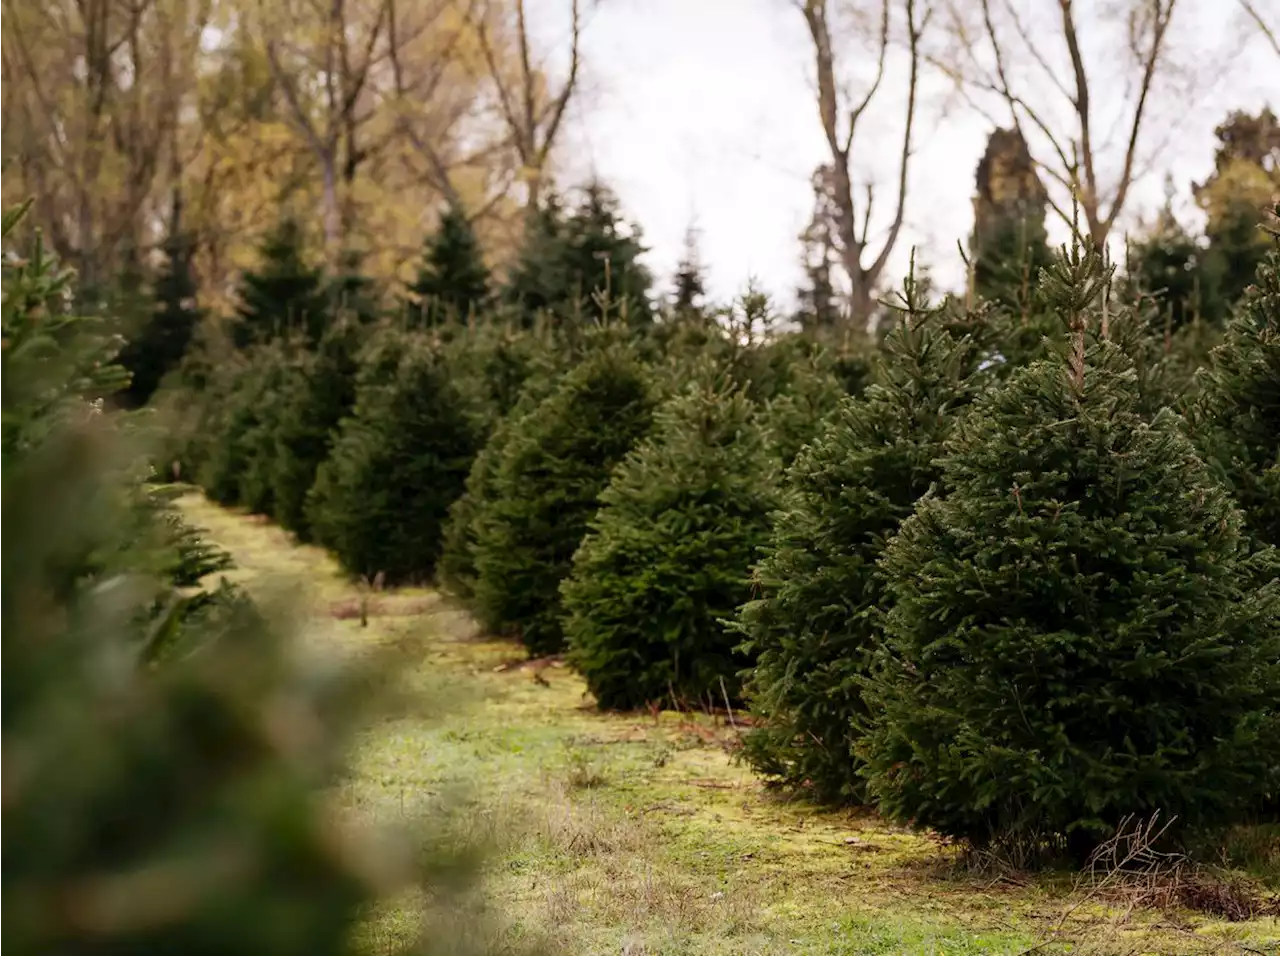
(399,461)
(1076,630)
(546,488)
(669,556)
(817,617)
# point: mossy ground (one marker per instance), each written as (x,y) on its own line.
(640,834)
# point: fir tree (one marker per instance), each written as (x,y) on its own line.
(453,281)
(312,407)
(690,286)
(349,293)
(1239,412)
(1076,631)
(536,282)
(226,455)
(282,295)
(819,311)
(398,463)
(667,561)
(549,478)
(821,599)
(163,339)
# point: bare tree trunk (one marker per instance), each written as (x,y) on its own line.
(853,223)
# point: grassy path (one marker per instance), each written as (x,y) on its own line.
(638,834)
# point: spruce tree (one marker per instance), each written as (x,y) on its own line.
(1076,630)
(162,341)
(312,405)
(453,281)
(399,461)
(667,561)
(283,294)
(553,467)
(229,437)
(1238,415)
(690,287)
(349,293)
(536,281)
(816,620)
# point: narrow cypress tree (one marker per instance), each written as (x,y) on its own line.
(453,281)
(398,463)
(547,485)
(283,294)
(1076,630)
(816,621)
(668,559)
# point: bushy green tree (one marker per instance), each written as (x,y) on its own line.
(668,558)
(162,340)
(817,619)
(232,434)
(283,294)
(182,808)
(1076,629)
(1238,416)
(452,282)
(348,294)
(547,485)
(312,404)
(399,461)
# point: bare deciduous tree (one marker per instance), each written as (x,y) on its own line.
(532,112)
(1040,74)
(840,115)
(1268,32)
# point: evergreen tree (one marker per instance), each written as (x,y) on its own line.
(453,281)
(690,287)
(399,461)
(1239,411)
(797,415)
(312,406)
(161,342)
(1009,244)
(819,311)
(821,599)
(283,294)
(1076,630)
(583,267)
(349,293)
(182,808)
(1235,198)
(536,282)
(668,559)
(231,429)
(549,478)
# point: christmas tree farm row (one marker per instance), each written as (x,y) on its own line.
(1020,586)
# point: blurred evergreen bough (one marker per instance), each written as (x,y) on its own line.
(174,808)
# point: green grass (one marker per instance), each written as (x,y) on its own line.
(639,834)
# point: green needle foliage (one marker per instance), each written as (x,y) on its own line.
(1239,413)
(317,397)
(668,559)
(549,477)
(398,463)
(820,601)
(1076,629)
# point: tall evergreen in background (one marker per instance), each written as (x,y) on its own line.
(159,344)
(1009,245)
(348,292)
(819,312)
(581,266)
(283,294)
(690,285)
(452,282)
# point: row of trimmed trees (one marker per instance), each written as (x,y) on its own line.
(1019,586)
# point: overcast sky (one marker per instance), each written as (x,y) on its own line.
(703,110)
